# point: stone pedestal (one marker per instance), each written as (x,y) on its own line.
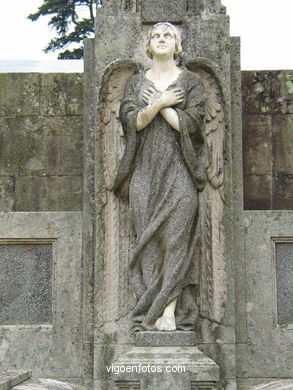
(164,361)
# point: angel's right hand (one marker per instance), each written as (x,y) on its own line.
(151,96)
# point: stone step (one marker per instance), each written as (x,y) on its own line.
(47,384)
(9,379)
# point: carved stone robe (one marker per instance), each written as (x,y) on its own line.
(166,169)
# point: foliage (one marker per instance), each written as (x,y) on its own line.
(70,27)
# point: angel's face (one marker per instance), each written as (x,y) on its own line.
(162,42)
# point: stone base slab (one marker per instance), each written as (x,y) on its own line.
(286,384)
(164,368)
(9,379)
(47,384)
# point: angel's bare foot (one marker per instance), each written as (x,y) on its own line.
(166,322)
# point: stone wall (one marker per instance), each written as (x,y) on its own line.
(41,141)
(263,229)
(268,140)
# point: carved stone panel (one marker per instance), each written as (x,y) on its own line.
(41,294)
(284,279)
(26,283)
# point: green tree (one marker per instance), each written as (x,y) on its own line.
(69,25)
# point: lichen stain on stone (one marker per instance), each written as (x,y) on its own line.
(106,357)
(74,104)
(17,155)
(259,88)
(289,85)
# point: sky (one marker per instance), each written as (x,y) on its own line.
(264,26)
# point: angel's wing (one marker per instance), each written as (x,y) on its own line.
(213,291)
(118,237)
(114,142)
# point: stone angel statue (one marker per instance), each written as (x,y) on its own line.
(163,137)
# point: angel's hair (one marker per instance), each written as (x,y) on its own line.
(176,32)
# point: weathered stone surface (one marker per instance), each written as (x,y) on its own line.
(47,384)
(267,350)
(132,37)
(156,339)
(257,145)
(149,366)
(46,146)
(132,385)
(284,277)
(26,283)
(264,384)
(210,39)
(275,385)
(74,94)
(288,86)
(58,150)
(154,11)
(208,7)
(88,246)
(268,138)
(262,344)
(19,94)
(237,273)
(24,94)
(282,193)
(6,193)
(263,92)
(53,94)
(19,138)
(257,192)
(48,193)
(40,145)
(282,126)
(9,379)
(52,350)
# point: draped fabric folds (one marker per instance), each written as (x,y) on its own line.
(165,170)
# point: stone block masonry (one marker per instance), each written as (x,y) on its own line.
(268,140)
(41,141)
